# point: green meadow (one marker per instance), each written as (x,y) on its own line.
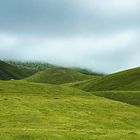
(66,104)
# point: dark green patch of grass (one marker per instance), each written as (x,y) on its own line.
(8,72)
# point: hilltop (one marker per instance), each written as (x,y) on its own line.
(58,75)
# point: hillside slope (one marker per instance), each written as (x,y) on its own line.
(58,76)
(8,72)
(30,111)
(129,97)
(125,80)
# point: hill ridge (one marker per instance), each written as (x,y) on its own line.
(124,80)
(58,76)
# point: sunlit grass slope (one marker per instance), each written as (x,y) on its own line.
(8,72)
(58,76)
(31,111)
(125,80)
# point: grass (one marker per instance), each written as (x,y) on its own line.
(58,76)
(8,72)
(49,105)
(125,80)
(32,111)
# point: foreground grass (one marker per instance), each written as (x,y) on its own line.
(30,111)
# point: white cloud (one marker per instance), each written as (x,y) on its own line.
(110,6)
(90,52)
(7,40)
(98,34)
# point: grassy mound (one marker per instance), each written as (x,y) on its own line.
(125,80)
(58,76)
(42,111)
(8,72)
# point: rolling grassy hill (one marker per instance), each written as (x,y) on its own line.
(32,111)
(58,76)
(8,72)
(125,80)
(123,86)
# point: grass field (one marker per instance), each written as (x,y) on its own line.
(30,111)
(54,104)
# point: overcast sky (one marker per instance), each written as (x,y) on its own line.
(102,35)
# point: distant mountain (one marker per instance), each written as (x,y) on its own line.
(31,66)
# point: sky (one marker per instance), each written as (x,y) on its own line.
(100,35)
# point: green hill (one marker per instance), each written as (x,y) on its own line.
(58,76)
(125,80)
(32,111)
(8,72)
